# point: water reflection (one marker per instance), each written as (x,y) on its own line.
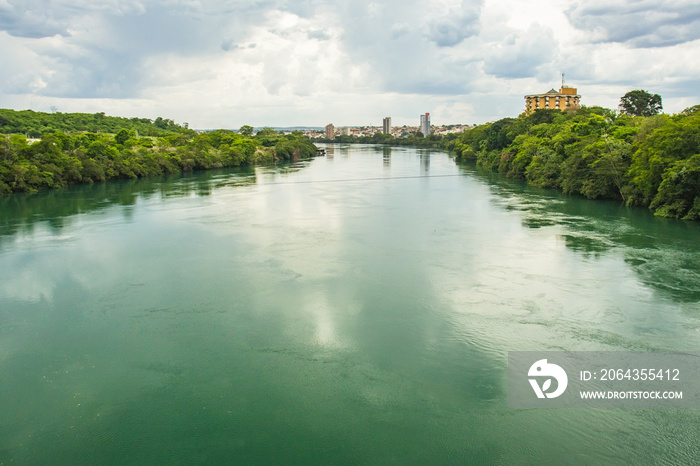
(56,208)
(267,174)
(424,163)
(363,320)
(586,245)
(664,253)
(386,156)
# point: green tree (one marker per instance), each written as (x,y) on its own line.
(266,132)
(679,193)
(121,137)
(246,130)
(640,103)
(267,136)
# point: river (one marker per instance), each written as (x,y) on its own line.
(357,308)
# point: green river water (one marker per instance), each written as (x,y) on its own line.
(353,309)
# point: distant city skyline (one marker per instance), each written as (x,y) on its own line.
(217,64)
(331,131)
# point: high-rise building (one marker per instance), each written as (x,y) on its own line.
(386,125)
(330,131)
(425,124)
(345,131)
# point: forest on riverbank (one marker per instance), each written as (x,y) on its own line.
(84,148)
(650,161)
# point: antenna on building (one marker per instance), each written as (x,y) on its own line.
(562,80)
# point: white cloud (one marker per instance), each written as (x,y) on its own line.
(521,53)
(218,63)
(642,23)
(456,25)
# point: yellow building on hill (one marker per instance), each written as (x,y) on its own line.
(565,99)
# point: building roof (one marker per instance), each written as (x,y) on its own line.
(554,92)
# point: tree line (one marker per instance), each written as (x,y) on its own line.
(35,124)
(651,160)
(62,158)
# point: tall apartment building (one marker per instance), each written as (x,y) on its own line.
(345,131)
(565,99)
(330,131)
(425,124)
(386,125)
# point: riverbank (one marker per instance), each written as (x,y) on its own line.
(652,162)
(59,159)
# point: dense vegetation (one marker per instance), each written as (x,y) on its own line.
(63,158)
(35,124)
(645,161)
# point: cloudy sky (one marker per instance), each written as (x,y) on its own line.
(226,63)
